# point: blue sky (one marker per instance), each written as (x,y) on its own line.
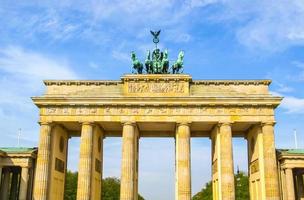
(93,39)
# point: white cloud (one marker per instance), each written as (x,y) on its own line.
(177,35)
(299,72)
(269,25)
(122,56)
(200,3)
(93,65)
(18,62)
(298,64)
(63,20)
(22,72)
(291,104)
(282,87)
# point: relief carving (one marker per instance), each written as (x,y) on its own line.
(51,110)
(154,110)
(156,88)
(254,166)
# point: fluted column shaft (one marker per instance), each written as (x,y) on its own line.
(270,166)
(128,164)
(290,189)
(23,183)
(183,169)
(226,168)
(85,162)
(0,176)
(43,163)
(5,184)
(300,186)
(14,185)
(136,154)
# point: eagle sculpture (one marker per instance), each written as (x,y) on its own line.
(155,33)
(155,36)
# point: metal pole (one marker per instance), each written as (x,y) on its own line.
(19,134)
(295,138)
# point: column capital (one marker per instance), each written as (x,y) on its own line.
(47,123)
(130,123)
(86,122)
(268,123)
(224,123)
(183,123)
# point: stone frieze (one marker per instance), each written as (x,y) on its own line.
(157,110)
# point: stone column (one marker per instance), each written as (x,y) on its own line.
(5,184)
(136,155)
(290,184)
(183,167)
(300,186)
(31,181)
(43,163)
(225,167)
(85,162)
(23,183)
(96,177)
(14,185)
(0,175)
(128,164)
(270,166)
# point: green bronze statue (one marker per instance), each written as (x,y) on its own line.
(149,63)
(158,62)
(165,62)
(137,65)
(156,59)
(177,67)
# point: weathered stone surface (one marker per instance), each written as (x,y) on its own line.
(173,105)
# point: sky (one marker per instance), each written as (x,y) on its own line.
(65,39)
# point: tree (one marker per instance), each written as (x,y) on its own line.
(241,189)
(241,186)
(205,193)
(110,187)
(70,185)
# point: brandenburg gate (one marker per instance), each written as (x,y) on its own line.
(160,103)
(156,105)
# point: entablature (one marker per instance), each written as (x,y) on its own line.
(164,101)
(158,110)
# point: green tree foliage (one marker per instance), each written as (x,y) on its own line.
(241,189)
(70,185)
(205,193)
(110,190)
(242,186)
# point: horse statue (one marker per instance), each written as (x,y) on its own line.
(165,62)
(137,65)
(149,63)
(177,67)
